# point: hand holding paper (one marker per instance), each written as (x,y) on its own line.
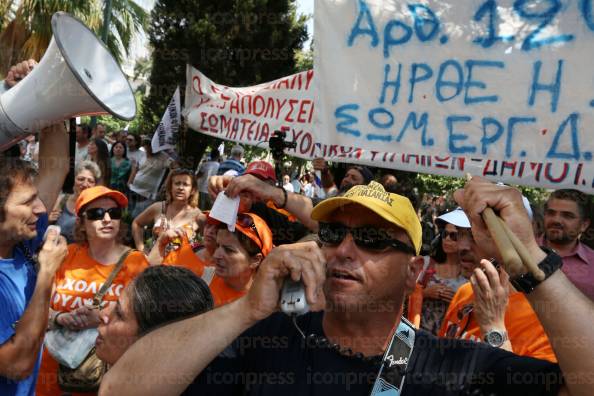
(225,210)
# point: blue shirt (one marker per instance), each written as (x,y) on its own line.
(231,164)
(17,283)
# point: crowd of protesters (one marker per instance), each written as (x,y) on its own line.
(140,223)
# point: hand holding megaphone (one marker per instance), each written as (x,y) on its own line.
(18,72)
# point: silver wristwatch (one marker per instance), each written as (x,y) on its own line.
(495,337)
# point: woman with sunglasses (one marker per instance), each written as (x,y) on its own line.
(236,259)
(442,278)
(179,210)
(86,175)
(86,267)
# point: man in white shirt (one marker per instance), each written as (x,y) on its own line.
(135,154)
(146,179)
(287,184)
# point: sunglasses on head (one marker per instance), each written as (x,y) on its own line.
(246,221)
(368,237)
(99,213)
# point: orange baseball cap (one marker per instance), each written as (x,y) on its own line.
(90,194)
(255,228)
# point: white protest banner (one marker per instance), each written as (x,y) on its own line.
(250,115)
(510,79)
(165,136)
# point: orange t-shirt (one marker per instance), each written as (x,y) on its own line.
(524,330)
(77,281)
(185,257)
(415,306)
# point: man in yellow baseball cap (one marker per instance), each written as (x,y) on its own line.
(393,208)
(365,266)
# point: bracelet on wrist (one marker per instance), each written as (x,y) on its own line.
(285,200)
(526,283)
(55,320)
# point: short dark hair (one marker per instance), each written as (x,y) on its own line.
(365,172)
(87,130)
(12,172)
(581,199)
(163,294)
(136,138)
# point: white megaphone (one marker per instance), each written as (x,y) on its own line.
(76,76)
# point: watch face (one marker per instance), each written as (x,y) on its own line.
(495,338)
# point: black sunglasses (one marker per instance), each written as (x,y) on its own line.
(99,213)
(369,237)
(451,235)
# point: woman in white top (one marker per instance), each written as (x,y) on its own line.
(180,209)
(442,279)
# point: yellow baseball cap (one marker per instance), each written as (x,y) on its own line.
(393,207)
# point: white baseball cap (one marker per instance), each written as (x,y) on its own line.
(456,217)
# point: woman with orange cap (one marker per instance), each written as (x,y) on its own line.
(86,267)
(236,259)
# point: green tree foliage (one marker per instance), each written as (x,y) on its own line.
(142,71)
(444,185)
(304,60)
(233,42)
(437,185)
(113,124)
(26,32)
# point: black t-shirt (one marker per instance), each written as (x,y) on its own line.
(273,359)
(283,230)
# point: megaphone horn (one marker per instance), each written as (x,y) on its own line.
(76,76)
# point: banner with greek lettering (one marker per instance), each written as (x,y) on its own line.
(250,115)
(165,137)
(502,79)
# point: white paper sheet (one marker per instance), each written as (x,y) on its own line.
(225,210)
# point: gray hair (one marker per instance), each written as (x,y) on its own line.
(90,166)
(237,151)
